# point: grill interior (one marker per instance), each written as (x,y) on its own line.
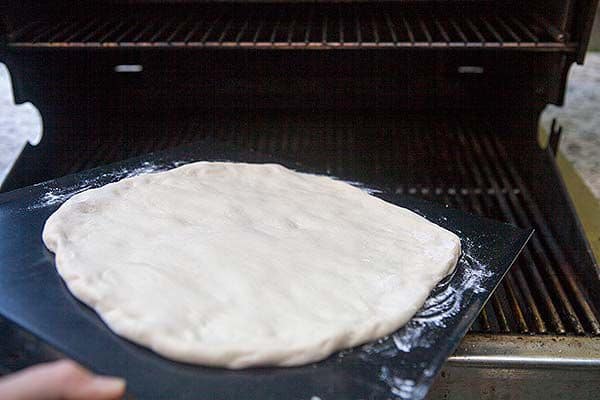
(296,26)
(462,162)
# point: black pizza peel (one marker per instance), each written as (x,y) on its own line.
(402,365)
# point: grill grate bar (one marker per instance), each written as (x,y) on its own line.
(475,30)
(537,245)
(507,213)
(323,26)
(442,31)
(89,38)
(309,26)
(86,29)
(409,31)
(178,29)
(425,31)
(508,29)
(149,25)
(484,321)
(291,31)
(24,30)
(226,30)
(531,309)
(358,30)
(559,258)
(546,299)
(475,205)
(515,299)
(341,29)
(211,28)
(195,28)
(499,313)
(500,316)
(568,310)
(459,31)
(275,29)
(127,31)
(49,31)
(493,31)
(258,31)
(243,29)
(526,30)
(469,169)
(112,31)
(375,28)
(68,29)
(161,30)
(391,28)
(493,309)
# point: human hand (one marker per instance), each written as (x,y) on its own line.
(60,380)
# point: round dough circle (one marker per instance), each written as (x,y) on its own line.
(238,265)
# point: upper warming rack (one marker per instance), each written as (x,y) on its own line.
(297,26)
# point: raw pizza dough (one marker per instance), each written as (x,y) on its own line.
(240,265)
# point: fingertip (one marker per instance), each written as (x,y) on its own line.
(108,387)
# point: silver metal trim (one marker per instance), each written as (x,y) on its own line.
(479,350)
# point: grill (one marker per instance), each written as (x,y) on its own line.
(284,26)
(436,99)
(541,294)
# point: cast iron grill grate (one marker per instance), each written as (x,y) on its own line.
(285,26)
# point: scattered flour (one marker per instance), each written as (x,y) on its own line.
(443,304)
(401,388)
(58,195)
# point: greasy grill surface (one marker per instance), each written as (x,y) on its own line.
(463,164)
(297,26)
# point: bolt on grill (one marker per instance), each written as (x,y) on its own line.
(300,26)
(470,170)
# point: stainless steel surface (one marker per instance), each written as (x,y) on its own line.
(517,367)
(532,351)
